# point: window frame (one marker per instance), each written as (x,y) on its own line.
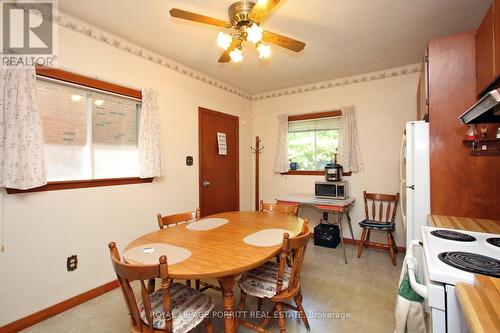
(310,116)
(93,83)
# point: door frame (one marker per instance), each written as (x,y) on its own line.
(202,110)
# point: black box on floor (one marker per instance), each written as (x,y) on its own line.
(327,235)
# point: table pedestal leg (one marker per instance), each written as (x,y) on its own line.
(339,222)
(226,285)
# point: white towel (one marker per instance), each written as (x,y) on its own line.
(409,310)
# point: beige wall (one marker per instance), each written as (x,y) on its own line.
(382,106)
(42,229)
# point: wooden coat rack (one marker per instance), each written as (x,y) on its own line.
(257,150)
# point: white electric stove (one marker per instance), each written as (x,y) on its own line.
(450,256)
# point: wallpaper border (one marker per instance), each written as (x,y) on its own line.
(366,77)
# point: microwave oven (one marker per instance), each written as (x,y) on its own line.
(331,190)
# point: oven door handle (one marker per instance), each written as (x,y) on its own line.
(412,263)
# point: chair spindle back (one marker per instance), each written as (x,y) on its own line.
(128,273)
(290,209)
(293,251)
(377,213)
(175,219)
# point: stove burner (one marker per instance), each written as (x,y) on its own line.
(471,262)
(453,235)
(495,241)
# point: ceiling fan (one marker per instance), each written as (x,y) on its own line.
(245,18)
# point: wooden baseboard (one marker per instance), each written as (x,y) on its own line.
(58,308)
(373,245)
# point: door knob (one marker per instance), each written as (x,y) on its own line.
(206,183)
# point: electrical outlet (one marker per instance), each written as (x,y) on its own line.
(72,263)
(189,160)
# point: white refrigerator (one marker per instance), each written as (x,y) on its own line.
(415,178)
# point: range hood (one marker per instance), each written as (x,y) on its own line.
(487,110)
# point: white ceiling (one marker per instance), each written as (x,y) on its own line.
(343,37)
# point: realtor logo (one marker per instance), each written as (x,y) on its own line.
(28,29)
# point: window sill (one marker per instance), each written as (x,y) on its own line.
(72,184)
(310,173)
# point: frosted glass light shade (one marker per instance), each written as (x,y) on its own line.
(224,40)
(264,51)
(254,33)
(236,55)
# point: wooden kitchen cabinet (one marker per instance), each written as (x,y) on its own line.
(461,184)
(496,33)
(423,90)
(488,49)
(485,51)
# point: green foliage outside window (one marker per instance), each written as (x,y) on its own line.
(312,149)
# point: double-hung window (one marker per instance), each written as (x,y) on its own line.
(88,134)
(312,142)
(90,130)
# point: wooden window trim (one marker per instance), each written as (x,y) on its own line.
(72,184)
(92,83)
(317,115)
(309,116)
(310,173)
(85,81)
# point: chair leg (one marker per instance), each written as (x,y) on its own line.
(188,283)
(394,243)
(361,241)
(197,284)
(259,303)
(300,308)
(281,318)
(367,238)
(208,325)
(151,285)
(243,298)
(391,248)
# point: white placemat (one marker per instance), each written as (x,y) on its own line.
(149,254)
(267,237)
(206,224)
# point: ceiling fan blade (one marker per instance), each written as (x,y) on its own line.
(283,41)
(261,9)
(182,14)
(225,55)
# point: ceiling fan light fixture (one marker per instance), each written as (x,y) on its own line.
(224,40)
(264,51)
(236,55)
(254,33)
(261,3)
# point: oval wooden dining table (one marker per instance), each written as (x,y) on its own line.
(221,253)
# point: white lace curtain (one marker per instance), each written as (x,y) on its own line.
(151,161)
(22,157)
(349,151)
(281,158)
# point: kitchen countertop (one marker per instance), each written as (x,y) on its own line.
(465,223)
(480,303)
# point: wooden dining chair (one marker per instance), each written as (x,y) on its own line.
(172,308)
(175,219)
(290,209)
(278,282)
(171,220)
(383,222)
